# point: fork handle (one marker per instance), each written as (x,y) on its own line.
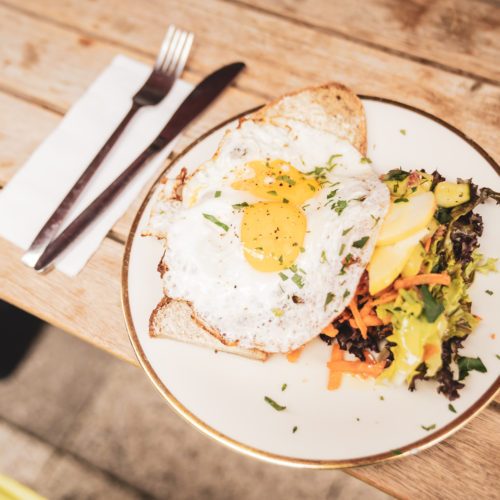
(54,222)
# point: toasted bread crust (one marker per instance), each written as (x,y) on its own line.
(336,100)
(210,338)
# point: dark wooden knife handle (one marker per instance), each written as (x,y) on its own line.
(84,220)
(52,225)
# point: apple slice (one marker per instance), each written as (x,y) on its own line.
(388,261)
(407,217)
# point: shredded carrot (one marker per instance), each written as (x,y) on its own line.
(357,318)
(385,299)
(493,336)
(358,367)
(293,356)
(335,378)
(423,279)
(429,351)
(372,320)
(330,331)
(427,245)
(368,356)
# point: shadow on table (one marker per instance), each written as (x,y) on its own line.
(18,332)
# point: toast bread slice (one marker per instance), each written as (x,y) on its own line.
(174,319)
(331,107)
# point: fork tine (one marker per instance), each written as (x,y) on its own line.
(167,60)
(170,69)
(184,55)
(167,40)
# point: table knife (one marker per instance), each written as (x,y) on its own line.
(194,104)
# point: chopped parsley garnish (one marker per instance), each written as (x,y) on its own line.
(329,297)
(302,249)
(498,356)
(401,200)
(238,206)
(396,452)
(283,387)
(375,220)
(311,187)
(287,179)
(278,312)
(294,430)
(216,221)
(489,292)
(381,398)
(339,206)
(283,276)
(452,408)
(365,159)
(432,308)
(323,257)
(342,248)
(466,365)
(361,242)
(285,200)
(297,279)
(428,427)
(396,174)
(273,403)
(402,131)
(217,194)
(272,193)
(280,259)
(345,231)
(346,294)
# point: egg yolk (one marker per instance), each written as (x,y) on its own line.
(272,234)
(273,231)
(277,180)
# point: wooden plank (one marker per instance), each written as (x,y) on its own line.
(461,35)
(87,306)
(272,47)
(463,466)
(17,139)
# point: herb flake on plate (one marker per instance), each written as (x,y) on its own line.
(452,408)
(466,365)
(428,427)
(273,403)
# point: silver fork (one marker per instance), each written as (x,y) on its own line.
(168,67)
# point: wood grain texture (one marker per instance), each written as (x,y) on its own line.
(87,306)
(280,56)
(461,35)
(17,141)
(52,50)
(463,466)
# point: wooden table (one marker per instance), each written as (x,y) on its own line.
(442,56)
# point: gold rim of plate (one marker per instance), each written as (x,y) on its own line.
(409,449)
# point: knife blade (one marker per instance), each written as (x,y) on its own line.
(194,104)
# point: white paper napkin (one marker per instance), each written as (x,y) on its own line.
(40,185)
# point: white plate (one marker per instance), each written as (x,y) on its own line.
(223,395)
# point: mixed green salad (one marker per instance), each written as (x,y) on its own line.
(417,323)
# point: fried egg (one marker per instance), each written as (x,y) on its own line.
(270,237)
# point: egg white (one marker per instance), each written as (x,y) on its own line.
(206,263)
